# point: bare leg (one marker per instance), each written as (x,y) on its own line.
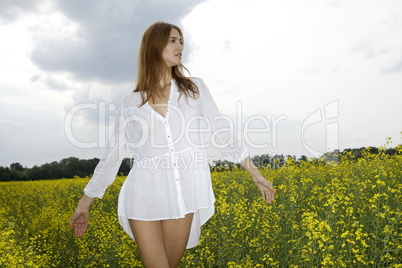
(176,233)
(150,242)
(162,243)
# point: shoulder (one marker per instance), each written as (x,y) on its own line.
(131,99)
(197,81)
(202,87)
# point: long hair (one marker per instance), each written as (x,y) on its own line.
(152,68)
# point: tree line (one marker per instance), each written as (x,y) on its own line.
(66,168)
(72,166)
(277,161)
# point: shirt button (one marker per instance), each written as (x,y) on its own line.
(168,136)
(171,150)
(165,122)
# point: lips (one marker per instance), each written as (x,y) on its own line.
(179,55)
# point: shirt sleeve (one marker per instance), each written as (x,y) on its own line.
(108,166)
(222,129)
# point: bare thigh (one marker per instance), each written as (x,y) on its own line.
(176,233)
(161,243)
(150,243)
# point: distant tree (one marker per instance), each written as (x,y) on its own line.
(278,161)
(16,166)
(262,160)
(217,165)
(90,165)
(5,174)
(16,175)
(256,160)
(391,151)
(125,166)
(302,158)
(34,173)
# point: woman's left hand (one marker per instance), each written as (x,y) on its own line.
(266,188)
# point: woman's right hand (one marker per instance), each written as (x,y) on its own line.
(79,221)
(80,218)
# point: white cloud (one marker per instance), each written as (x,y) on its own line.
(294,57)
(57,54)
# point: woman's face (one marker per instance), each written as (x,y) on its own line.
(173,51)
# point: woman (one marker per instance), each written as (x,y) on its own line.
(167,195)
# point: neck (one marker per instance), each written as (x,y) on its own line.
(165,80)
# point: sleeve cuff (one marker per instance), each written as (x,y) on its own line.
(92,195)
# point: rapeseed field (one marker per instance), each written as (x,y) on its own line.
(341,215)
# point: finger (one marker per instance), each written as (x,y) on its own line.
(263,195)
(77,230)
(272,188)
(272,195)
(81,230)
(268,196)
(71,224)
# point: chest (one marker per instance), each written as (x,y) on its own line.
(148,123)
(160,103)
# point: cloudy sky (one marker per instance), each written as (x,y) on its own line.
(297,77)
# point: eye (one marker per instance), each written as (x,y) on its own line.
(172,41)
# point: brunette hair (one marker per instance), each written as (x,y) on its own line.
(151,66)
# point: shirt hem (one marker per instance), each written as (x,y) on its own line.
(167,218)
(159,219)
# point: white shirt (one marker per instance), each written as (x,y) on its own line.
(170,176)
